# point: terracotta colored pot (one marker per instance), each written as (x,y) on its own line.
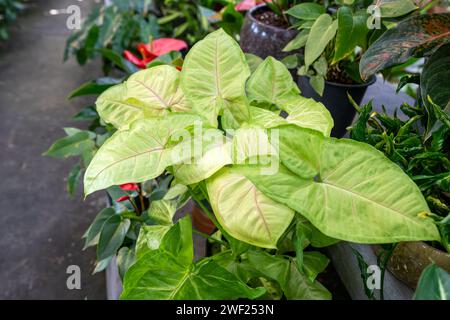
(262,39)
(201,222)
(409,259)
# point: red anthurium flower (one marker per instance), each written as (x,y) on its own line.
(162,46)
(129,187)
(156,48)
(123,198)
(248,4)
(134,60)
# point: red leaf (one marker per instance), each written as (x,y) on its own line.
(123,198)
(129,187)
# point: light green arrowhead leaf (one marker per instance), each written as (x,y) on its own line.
(307,113)
(213,78)
(216,154)
(162,211)
(322,31)
(147,93)
(140,153)
(246,213)
(272,82)
(348,190)
(150,238)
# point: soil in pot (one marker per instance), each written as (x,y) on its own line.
(265,34)
(335,99)
(409,259)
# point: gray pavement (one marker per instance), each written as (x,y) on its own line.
(40,224)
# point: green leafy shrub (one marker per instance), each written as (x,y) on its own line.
(8,13)
(335,37)
(323,189)
(123,24)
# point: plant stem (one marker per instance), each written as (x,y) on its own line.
(134,206)
(207,236)
(132,217)
(141,198)
(206,210)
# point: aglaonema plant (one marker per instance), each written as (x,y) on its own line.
(272,205)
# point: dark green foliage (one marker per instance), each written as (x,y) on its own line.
(8,13)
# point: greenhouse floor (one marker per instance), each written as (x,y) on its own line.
(40,225)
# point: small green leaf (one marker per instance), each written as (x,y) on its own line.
(150,238)
(162,212)
(74,178)
(92,234)
(71,146)
(306,11)
(112,235)
(352,31)
(298,42)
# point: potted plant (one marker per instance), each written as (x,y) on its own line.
(121,25)
(202,125)
(419,142)
(333,45)
(264,32)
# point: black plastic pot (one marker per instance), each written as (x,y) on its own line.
(264,40)
(335,99)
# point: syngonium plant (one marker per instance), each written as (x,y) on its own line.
(323,189)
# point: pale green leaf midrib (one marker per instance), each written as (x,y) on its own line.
(442,292)
(153,92)
(127,158)
(216,69)
(180,284)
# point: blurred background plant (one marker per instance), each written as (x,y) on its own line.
(122,24)
(8,13)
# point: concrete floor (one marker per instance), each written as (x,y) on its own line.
(40,225)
